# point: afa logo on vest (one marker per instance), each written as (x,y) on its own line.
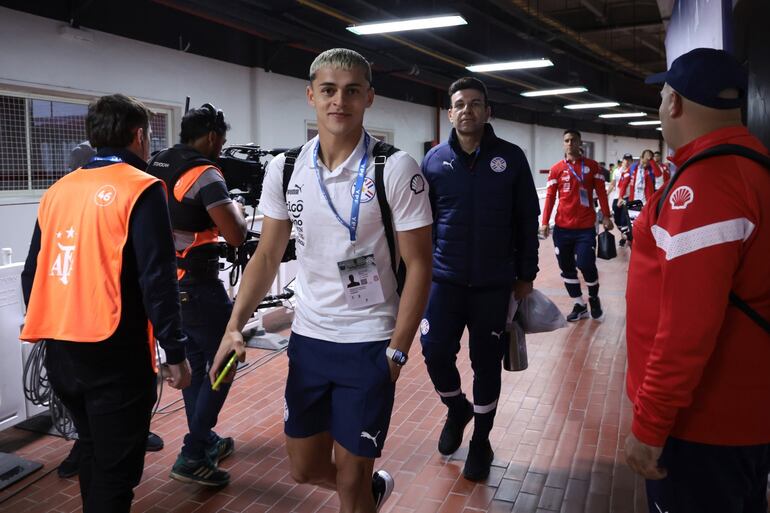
(367,191)
(62,264)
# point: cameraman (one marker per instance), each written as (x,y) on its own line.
(201,210)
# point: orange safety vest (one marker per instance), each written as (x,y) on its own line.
(84,221)
(209,236)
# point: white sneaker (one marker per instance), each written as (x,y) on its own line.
(382,487)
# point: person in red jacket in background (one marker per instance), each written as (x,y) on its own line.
(574,235)
(665,169)
(698,366)
(643,177)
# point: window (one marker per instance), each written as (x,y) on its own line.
(37,135)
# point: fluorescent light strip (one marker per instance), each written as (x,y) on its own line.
(551,92)
(642,123)
(600,105)
(623,115)
(409,24)
(502,66)
(659,128)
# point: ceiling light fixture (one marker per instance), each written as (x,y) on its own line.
(623,115)
(642,123)
(600,105)
(551,92)
(382,27)
(503,66)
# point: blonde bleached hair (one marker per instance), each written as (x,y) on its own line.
(340,58)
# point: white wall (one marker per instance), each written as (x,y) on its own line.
(282,112)
(261,107)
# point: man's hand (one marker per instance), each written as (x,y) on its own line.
(607,223)
(521,289)
(544,231)
(621,202)
(395,370)
(643,458)
(231,341)
(177,375)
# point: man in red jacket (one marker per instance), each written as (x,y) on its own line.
(575,180)
(698,366)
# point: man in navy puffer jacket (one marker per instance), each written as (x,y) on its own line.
(485,244)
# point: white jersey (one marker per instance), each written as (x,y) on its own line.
(322,241)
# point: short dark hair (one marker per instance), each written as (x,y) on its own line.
(572,131)
(469,83)
(657,153)
(112,121)
(198,122)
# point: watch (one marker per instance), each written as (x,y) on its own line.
(399,357)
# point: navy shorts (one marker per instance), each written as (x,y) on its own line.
(342,388)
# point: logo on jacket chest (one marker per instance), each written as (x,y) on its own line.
(498,164)
(367,191)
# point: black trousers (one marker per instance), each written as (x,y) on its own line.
(109,389)
(711,479)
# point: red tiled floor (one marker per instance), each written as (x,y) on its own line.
(558,435)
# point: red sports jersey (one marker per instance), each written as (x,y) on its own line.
(569,178)
(699,368)
(654,179)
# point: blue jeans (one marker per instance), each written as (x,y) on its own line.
(206,310)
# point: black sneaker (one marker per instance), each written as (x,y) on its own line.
(479,461)
(597,313)
(220,449)
(452,435)
(382,487)
(70,466)
(154,443)
(578,312)
(202,472)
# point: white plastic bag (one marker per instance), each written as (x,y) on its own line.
(537,313)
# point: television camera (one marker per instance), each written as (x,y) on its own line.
(244,172)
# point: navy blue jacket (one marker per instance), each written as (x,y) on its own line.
(485,211)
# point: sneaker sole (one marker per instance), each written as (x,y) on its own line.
(583,315)
(600,318)
(184,479)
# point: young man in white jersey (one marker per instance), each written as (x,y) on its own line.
(348,343)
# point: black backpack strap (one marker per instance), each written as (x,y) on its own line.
(288,166)
(741,305)
(381,152)
(724,149)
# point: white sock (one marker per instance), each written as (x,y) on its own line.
(579,301)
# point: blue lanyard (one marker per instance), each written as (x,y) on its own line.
(582,171)
(107,158)
(353,225)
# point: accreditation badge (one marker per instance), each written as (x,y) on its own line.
(361,281)
(584,197)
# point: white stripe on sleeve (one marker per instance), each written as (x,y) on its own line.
(550,183)
(702,237)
